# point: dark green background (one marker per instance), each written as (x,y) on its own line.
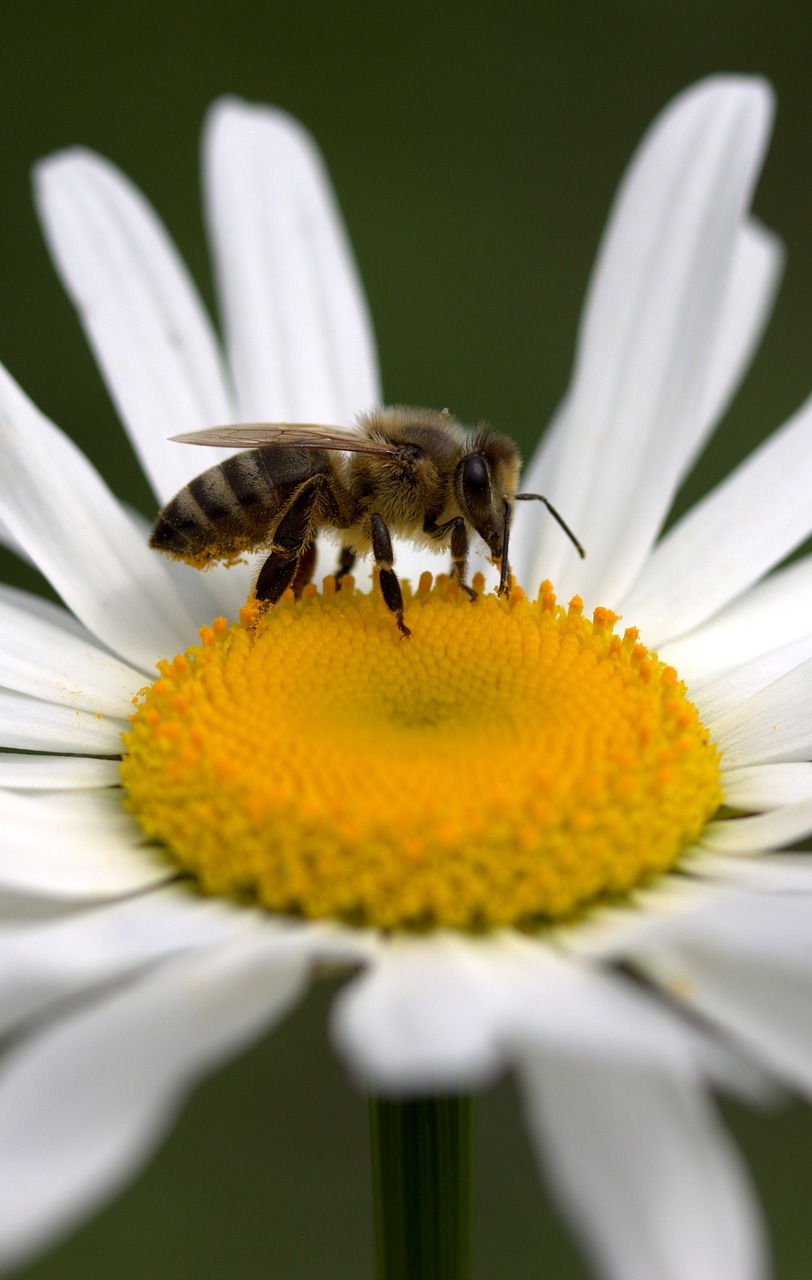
(475,148)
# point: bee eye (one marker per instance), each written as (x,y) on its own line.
(476,482)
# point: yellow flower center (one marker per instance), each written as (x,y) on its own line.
(511,763)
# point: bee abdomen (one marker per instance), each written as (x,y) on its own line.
(218,515)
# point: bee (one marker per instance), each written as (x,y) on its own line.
(412,472)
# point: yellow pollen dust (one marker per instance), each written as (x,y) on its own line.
(510,764)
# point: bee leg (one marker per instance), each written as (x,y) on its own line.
(459,555)
(281,571)
(505,576)
(390,583)
(458,547)
(275,576)
(291,561)
(345,563)
(304,569)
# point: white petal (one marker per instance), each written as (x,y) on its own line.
(298,331)
(85,1103)
(74,845)
(716,698)
(564,1004)
(56,773)
(52,614)
(44,962)
(774,724)
(43,659)
(748,302)
(10,542)
(730,539)
(81,539)
(643,1170)
(776,610)
(773,874)
(764,1007)
(740,923)
(141,311)
(767,786)
(446,1012)
(761,833)
(680,904)
(648,339)
(423,1017)
(747,967)
(29,724)
(610,933)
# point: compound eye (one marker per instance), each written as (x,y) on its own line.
(476,482)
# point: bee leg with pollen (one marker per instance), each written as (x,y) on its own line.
(293,554)
(390,583)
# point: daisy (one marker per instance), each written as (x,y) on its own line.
(536,838)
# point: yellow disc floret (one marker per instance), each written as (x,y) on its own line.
(511,763)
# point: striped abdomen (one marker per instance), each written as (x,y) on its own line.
(234,506)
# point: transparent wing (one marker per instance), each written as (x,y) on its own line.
(288,435)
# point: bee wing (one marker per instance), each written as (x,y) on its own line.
(286,435)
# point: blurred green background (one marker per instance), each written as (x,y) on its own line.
(475,148)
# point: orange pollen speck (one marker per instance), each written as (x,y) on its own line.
(510,764)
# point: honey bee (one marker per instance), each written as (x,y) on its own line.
(414,472)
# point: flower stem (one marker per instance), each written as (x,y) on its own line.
(421,1183)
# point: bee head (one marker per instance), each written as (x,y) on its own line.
(485,479)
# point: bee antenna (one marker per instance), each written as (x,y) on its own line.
(538,497)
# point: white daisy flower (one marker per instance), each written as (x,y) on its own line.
(523,768)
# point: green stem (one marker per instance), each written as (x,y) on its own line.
(421,1183)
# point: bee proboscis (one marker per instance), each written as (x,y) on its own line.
(416,473)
